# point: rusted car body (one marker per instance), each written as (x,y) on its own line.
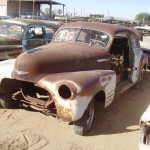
(17,36)
(145,130)
(85,62)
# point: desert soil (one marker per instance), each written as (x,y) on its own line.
(115,128)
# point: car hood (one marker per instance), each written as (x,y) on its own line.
(57,58)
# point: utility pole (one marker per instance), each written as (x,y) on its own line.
(66,11)
(108,14)
(144,20)
(74,12)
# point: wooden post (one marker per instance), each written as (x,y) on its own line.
(50,9)
(19,8)
(63,9)
(33,10)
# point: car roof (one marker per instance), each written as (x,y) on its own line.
(26,22)
(111,29)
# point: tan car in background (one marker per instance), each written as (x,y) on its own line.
(17,36)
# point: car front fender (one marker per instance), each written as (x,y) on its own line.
(84,85)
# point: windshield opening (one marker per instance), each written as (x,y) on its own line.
(92,37)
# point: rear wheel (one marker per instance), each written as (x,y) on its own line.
(83,125)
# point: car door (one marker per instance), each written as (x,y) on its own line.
(33,37)
(135,57)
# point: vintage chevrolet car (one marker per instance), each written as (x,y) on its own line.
(85,62)
(17,36)
(145,130)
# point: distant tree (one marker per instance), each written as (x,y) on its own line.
(46,11)
(59,12)
(142,15)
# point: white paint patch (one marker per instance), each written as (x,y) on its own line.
(79,105)
(78,88)
(137,57)
(146,116)
(6,68)
(110,86)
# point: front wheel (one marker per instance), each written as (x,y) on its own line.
(83,125)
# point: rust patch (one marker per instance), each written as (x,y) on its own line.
(63,112)
(103,80)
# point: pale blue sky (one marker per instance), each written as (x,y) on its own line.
(126,9)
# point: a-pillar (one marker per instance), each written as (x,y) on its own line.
(50,10)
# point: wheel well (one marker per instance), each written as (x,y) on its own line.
(8,84)
(100,97)
(145,67)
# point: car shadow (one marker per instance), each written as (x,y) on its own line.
(124,113)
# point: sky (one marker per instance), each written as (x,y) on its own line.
(126,9)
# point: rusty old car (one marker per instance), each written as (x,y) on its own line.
(144,143)
(17,36)
(85,63)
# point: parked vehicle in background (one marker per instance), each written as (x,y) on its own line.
(145,30)
(5,17)
(17,36)
(85,62)
(145,130)
(145,44)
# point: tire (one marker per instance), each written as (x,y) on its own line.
(83,125)
(6,101)
(140,79)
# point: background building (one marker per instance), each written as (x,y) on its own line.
(22,8)
(3,7)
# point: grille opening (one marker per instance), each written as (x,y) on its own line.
(29,89)
(64,92)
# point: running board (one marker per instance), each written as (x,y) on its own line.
(122,88)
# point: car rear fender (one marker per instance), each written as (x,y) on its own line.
(143,62)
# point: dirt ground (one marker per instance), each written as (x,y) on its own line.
(115,128)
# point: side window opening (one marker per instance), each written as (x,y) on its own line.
(93,37)
(119,54)
(35,33)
